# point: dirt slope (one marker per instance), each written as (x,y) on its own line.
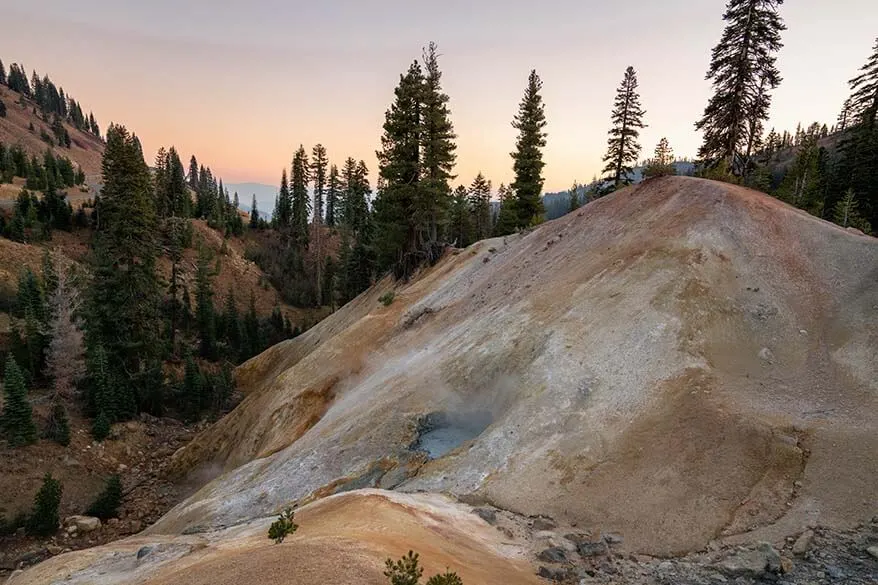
(86,150)
(678,362)
(344,539)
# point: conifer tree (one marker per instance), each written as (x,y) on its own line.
(743,73)
(43,519)
(16,421)
(846,213)
(863,101)
(283,208)
(507,217)
(480,207)
(65,362)
(460,219)
(58,425)
(122,312)
(333,196)
(622,146)
(254,214)
(574,196)
(301,201)
(399,166)
(2,73)
(205,313)
(107,504)
(319,163)
(193,176)
(437,154)
(662,162)
(528,156)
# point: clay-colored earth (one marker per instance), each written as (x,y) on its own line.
(678,362)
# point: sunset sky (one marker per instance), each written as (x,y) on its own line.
(242,84)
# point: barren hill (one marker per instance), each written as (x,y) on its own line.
(679,362)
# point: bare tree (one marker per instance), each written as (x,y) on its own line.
(65,356)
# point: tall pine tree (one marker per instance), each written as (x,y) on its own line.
(528,156)
(123,300)
(301,201)
(743,73)
(16,420)
(437,156)
(480,207)
(333,196)
(622,146)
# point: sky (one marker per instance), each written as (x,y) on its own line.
(242,84)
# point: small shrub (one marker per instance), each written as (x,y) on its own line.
(407,571)
(100,428)
(447,578)
(43,519)
(107,504)
(283,526)
(387,298)
(58,426)
(404,571)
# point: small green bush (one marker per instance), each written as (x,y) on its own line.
(43,519)
(407,571)
(283,526)
(100,428)
(387,298)
(107,504)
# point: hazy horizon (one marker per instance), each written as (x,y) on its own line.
(241,85)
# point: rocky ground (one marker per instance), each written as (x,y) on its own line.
(817,556)
(137,450)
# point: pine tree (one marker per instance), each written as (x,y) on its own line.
(58,425)
(405,571)
(662,163)
(437,155)
(460,219)
(193,177)
(2,73)
(627,117)
(743,73)
(846,213)
(333,196)
(301,202)
(43,519)
(65,361)
(802,184)
(122,313)
(399,167)
(254,214)
(107,504)
(507,217)
(16,421)
(863,101)
(528,156)
(205,313)
(319,163)
(857,167)
(480,207)
(574,196)
(283,207)
(232,323)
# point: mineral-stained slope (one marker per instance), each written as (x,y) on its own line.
(678,362)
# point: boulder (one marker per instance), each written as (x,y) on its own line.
(553,555)
(83,524)
(542,523)
(752,563)
(803,543)
(873,551)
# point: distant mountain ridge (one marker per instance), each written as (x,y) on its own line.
(265,195)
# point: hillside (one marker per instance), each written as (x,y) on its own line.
(678,364)
(85,150)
